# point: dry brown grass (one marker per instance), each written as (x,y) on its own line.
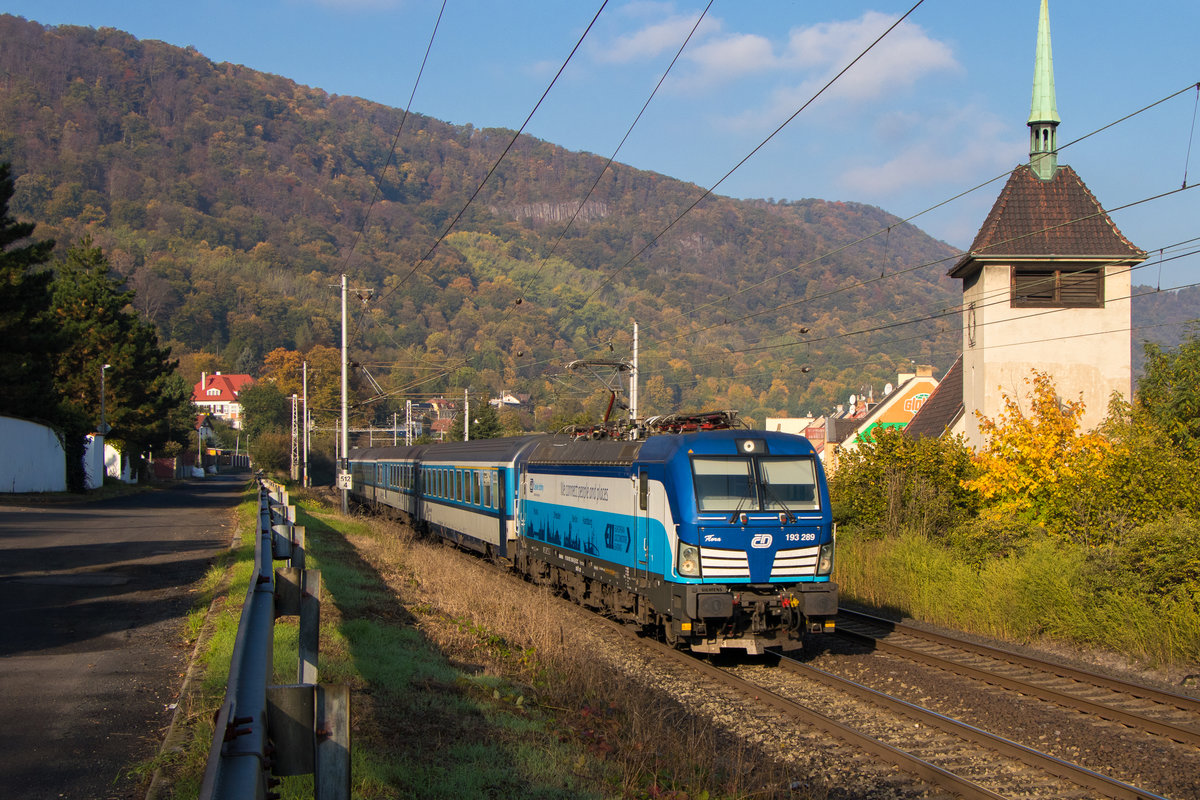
(643,742)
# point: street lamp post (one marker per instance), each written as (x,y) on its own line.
(103,422)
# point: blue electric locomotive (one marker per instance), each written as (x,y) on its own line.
(723,539)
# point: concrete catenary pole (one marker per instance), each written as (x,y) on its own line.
(305,482)
(633,380)
(344,465)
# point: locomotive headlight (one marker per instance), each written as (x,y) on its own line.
(689,561)
(825,559)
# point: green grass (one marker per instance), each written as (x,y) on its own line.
(1045,590)
(422,727)
(434,730)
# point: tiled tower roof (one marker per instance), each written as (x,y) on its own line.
(1057,218)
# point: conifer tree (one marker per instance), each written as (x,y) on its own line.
(146,404)
(27,340)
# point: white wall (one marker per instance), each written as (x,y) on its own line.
(795,425)
(31,458)
(117,466)
(93,462)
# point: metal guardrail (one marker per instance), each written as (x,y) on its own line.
(265,732)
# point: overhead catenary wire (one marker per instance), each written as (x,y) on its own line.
(923,265)
(491,171)
(1191,135)
(429,253)
(617,150)
(888,228)
(924,318)
(874,360)
(867,237)
(751,154)
(999,296)
(378,181)
(1002,297)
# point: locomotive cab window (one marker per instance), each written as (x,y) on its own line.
(724,484)
(790,484)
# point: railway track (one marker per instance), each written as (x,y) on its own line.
(952,757)
(1141,708)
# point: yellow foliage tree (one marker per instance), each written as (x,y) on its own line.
(1029,457)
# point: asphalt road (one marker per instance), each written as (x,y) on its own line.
(93,596)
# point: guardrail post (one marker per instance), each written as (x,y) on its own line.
(310,625)
(331,772)
(310,726)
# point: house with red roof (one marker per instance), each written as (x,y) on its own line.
(217,395)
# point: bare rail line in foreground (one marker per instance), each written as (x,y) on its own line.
(969,757)
(898,639)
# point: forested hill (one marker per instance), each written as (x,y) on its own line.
(232,199)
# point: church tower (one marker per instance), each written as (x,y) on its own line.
(1046,282)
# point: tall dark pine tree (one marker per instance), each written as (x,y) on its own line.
(485,423)
(27,336)
(146,404)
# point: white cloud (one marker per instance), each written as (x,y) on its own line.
(647,42)
(725,57)
(954,150)
(903,57)
(814,54)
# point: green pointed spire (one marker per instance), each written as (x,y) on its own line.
(1043,111)
(1043,108)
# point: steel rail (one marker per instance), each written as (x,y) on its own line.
(1073,773)
(1170,730)
(933,774)
(1180,701)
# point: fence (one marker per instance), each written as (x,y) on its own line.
(265,732)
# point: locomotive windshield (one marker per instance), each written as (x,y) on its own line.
(790,483)
(755,484)
(724,484)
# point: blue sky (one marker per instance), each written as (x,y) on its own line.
(938,108)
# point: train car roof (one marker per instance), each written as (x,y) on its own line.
(489,450)
(561,450)
(391,453)
(548,449)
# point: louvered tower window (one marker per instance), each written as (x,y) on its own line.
(1047,287)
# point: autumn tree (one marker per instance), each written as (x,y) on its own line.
(1144,477)
(896,482)
(284,369)
(1028,458)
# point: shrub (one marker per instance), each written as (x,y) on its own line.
(271,452)
(899,483)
